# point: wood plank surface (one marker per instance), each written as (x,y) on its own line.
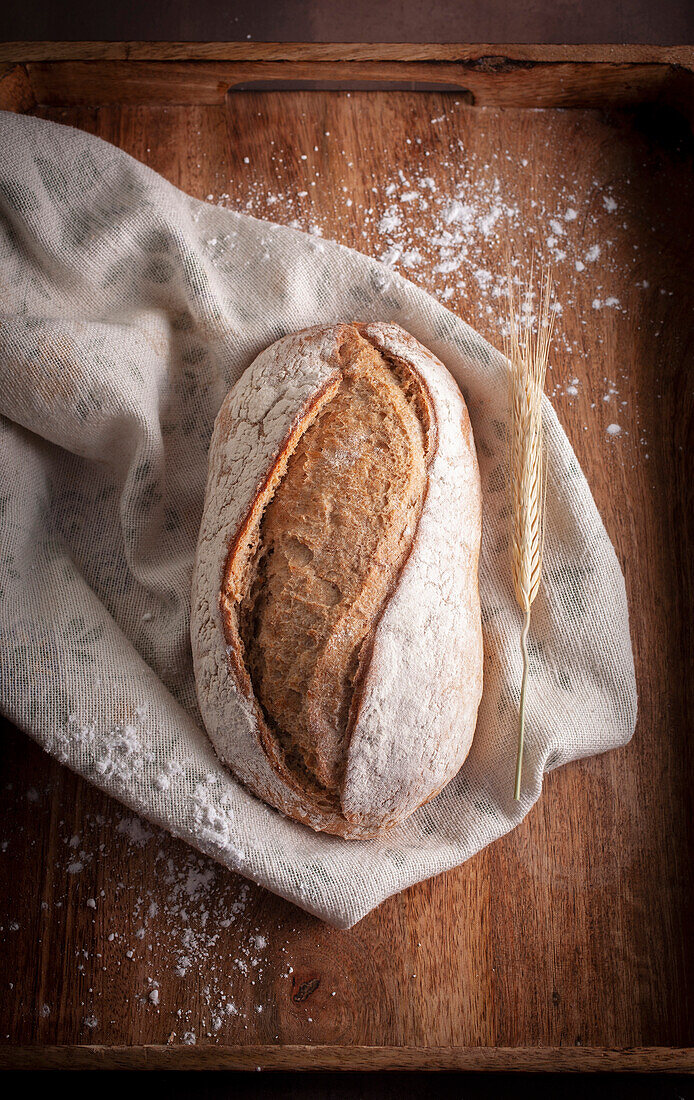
(99,74)
(575,930)
(520,1060)
(342,51)
(497,83)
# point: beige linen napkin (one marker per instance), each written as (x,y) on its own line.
(127,310)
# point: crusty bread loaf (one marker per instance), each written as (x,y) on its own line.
(335,626)
(331,544)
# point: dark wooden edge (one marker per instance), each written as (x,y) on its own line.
(487,81)
(95,74)
(471,1059)
(341,51)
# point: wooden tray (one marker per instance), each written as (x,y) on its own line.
(566,945)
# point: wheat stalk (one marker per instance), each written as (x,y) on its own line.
(527,349)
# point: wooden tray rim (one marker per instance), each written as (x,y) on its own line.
(180,74)
(519,1059)
(18,52)
(355,1058)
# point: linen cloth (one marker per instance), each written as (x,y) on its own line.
(128,309)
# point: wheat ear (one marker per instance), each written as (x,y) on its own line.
(527,349)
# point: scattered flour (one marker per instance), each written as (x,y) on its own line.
(445,236)
(178,921)
(136,830)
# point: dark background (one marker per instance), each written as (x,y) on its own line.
(223,1085)
(654,22)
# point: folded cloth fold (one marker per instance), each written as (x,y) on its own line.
(128,310)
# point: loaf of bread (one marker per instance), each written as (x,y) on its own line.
(335,611)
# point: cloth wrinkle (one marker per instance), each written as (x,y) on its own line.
(129,308)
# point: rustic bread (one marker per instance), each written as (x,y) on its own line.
(335,616)
(330,546)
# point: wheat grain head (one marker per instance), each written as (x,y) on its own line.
(527,350)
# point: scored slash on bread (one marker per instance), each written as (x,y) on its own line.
(335,614)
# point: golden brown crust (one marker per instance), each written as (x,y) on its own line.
(317,558)
(315,795)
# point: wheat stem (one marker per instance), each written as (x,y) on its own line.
(521,712)
(527,352)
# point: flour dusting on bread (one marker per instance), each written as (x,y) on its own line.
(335,626)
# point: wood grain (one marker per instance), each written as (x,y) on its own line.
(340,51)
(15,89)
(570,934)
(353,1058)
(497,84)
